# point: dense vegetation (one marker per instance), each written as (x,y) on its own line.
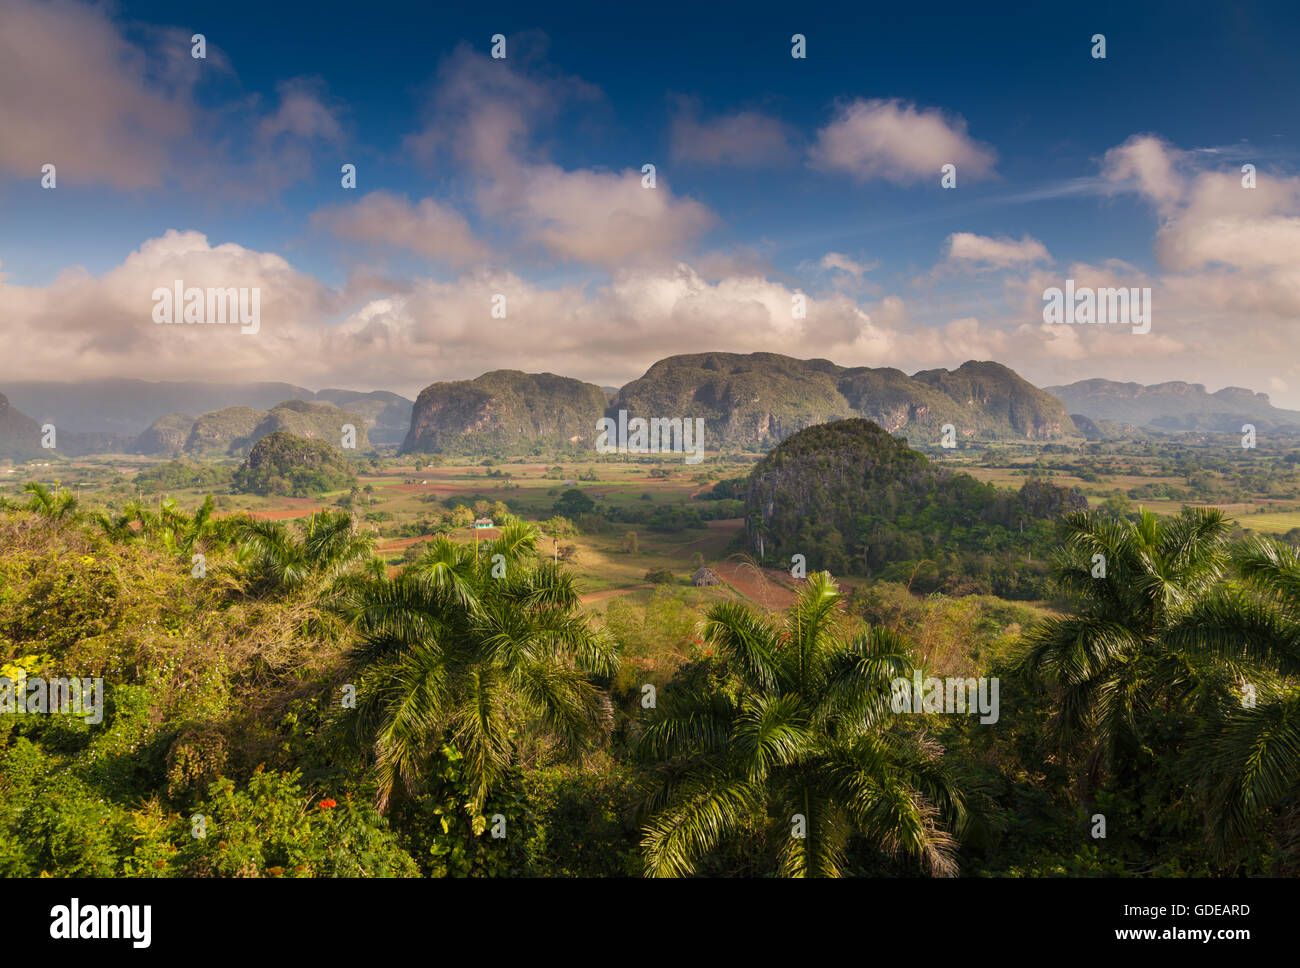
(754,401)
(293,708)
(281,463)
(852,499)
(505,411)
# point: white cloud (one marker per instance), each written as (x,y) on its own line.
(896,141)
(427,228)
(106,110)
(484,113)
(745,139)
(998,253)
(837,260)
(79,96)
(1146,163)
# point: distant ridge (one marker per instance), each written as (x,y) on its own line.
(748,401)
(1173,406)
(130,407)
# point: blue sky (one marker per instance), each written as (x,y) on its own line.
(605,89)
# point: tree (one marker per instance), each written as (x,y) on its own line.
(630,543)
(275,559)
(798,730)
(58,506)
(452,653)
(573,503)
(1251,762)
(1113,660)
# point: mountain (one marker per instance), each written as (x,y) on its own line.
(21,436)
(1174,406)
(283,463)
(388,415)
(223,433)
(504,410)
(130,406)
(754,401)
(231,432)
(133,407)
(851,497)
(167,435)
(747,401)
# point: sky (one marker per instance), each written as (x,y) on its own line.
(777,180)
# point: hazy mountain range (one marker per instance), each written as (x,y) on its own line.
(129,407)
(749,401)
(1174,406)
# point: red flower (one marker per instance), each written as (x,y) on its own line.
(328,804)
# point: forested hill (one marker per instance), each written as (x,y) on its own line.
(855,500)
(748,402)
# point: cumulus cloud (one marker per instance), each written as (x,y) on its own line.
(744,139)
(896,141)
(999,253)
(405,336)
(1224,246)
(79,96)
(840,261)
(607,219)
(302,112)
(428,228)
(81,326)
(1146,163)
(106,110)
(484,113)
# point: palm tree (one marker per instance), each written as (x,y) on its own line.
(1114,661)
(178,533)
(1252,757)
(477,651)
(57,505)
(800,730)
(275,559)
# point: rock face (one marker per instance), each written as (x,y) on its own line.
(167,435)
(749,402)
(142,417)
(233,431)
(755,401)
(387,415)
(20,435)
(21,438)
(1174,406)
(223,432)
(504,410)
(1086,426)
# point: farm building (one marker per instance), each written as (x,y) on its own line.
(705,576)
